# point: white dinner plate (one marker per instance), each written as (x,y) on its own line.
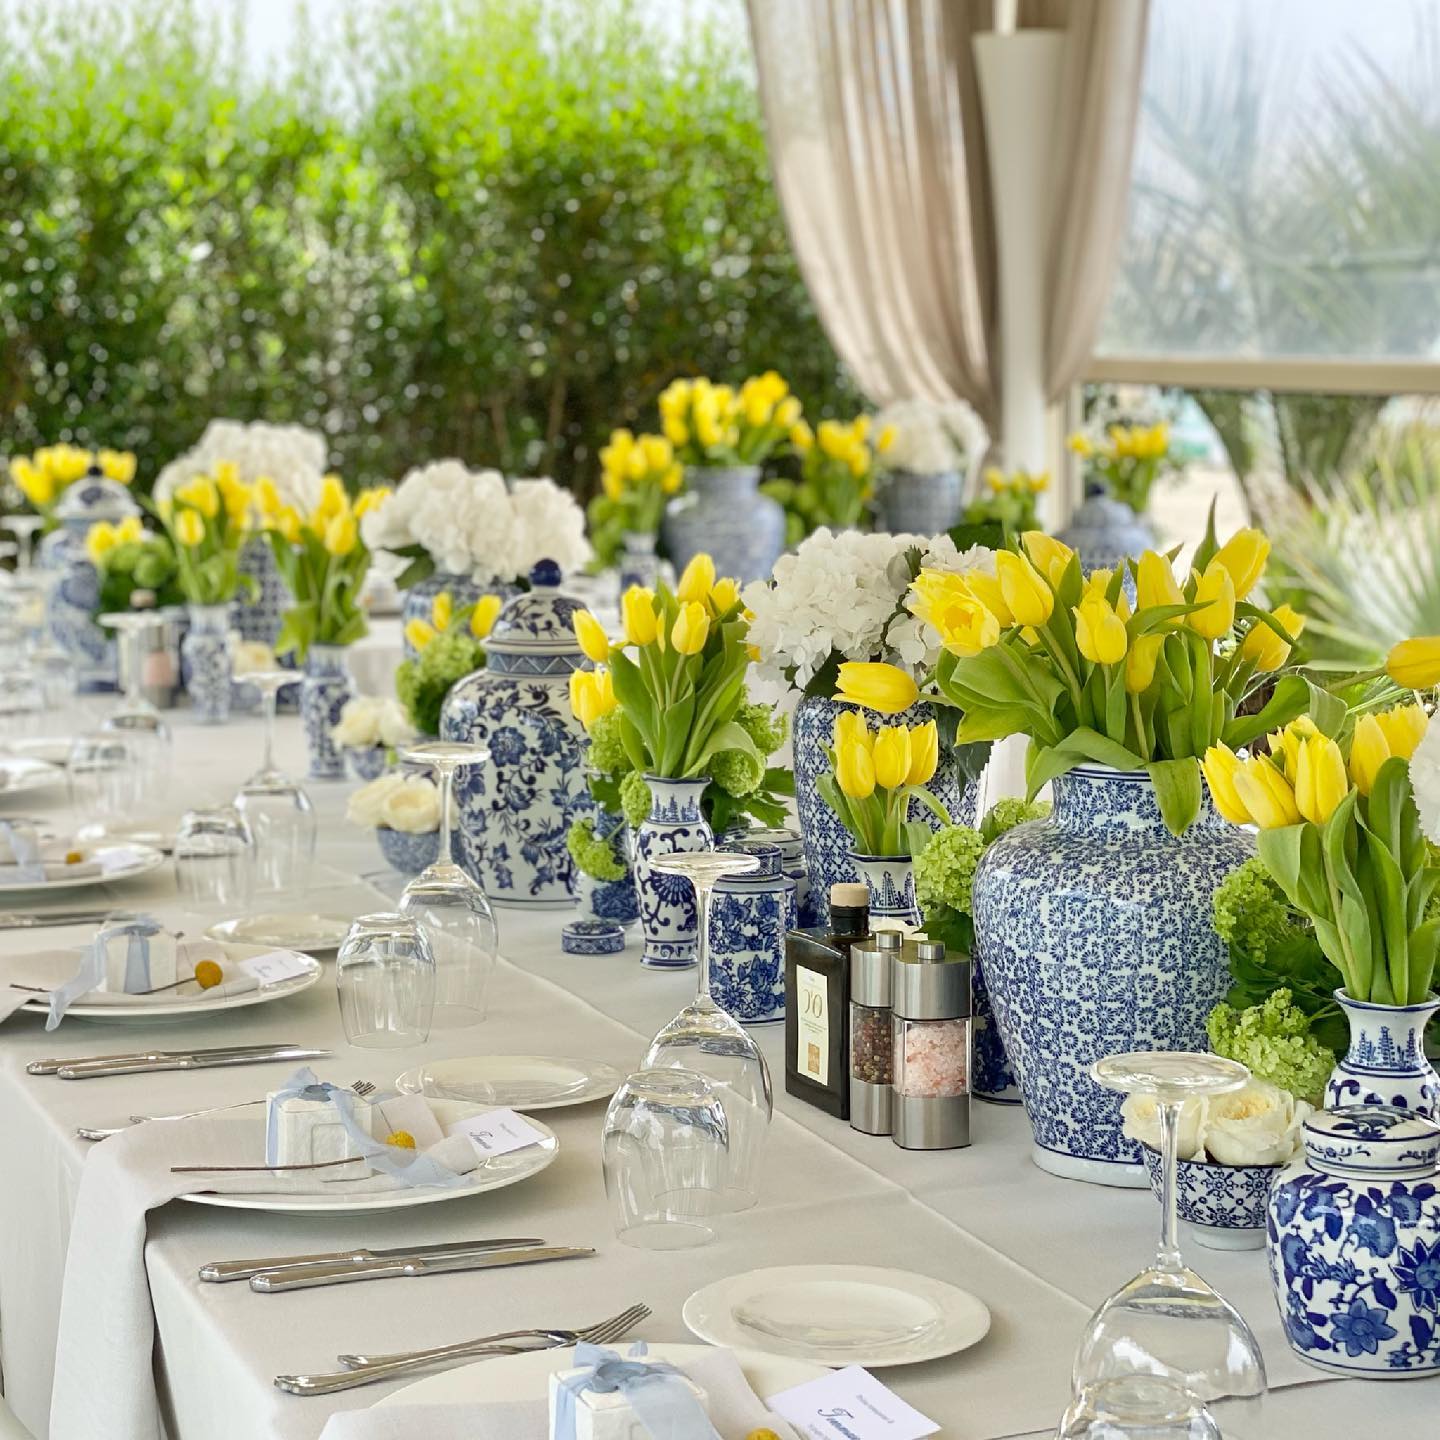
(22,773)
(839,1315)
(494,1172)
(137,1009)
(117,862)
(53,749)
(527,1376)
(523,1082)
(312,934)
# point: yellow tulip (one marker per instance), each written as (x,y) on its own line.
(802,437)
(859,461)
(582,696)
(1081,444)
(1244,555)
(189,528)
(855,772)
(708,429)
(787,412)
(638,610)
(677,432)
(698,579)
(966,625)
(1140,663)
(1285,745)
(1220,766)
(592,637)
(35,484)
(237,498)
(289,524)
(892,756)
(1099,632)
(117,465)
(1051,556)
(675,398)
(924,752)
(851,729)
(371,498)
(482,617)
(1155,584)
(885,440)
(1415,663)
(1265,647)
(691,627)
(1266,794)
(834,439)
(1215,589)
(129,530)
(1029,598)
(672,478)
(725,596)
(419,632)
(1404,728)
(442,610)
(613,483)
(201,493)
(332,503)
(657,450)
(1369,750)
(1320,781)
(341,535)
(100,540)
(986,589)
(877,686)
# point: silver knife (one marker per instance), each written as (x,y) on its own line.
(303,1277)
(54,1065)
(220,1271)
(35,922)
(198,1060)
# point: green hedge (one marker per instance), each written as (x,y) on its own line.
(489,228)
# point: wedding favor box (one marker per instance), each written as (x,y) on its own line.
(310,1132)
(164,966)
(608,1415)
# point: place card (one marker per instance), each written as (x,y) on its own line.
(497,1132)
(849,1404)
(118,859)
(274,966)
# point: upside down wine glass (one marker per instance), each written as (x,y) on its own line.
(704,1039)
(1167,1321)
(275,806)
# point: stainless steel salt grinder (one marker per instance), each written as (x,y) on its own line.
(930,1000)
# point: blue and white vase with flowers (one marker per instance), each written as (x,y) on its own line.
(750,915)
(404,812)
(369,731)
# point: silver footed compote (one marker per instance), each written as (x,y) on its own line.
(707,1040)
(451,907)
(1167,1321)
(275,805)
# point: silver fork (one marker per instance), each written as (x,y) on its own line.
(87,1132)
(391,1366)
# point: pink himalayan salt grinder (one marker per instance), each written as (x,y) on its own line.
(930,1002)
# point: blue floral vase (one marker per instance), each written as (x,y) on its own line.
(1106,532)
(1353,1240)
(891,881)
(750,915)
(205,661)
(910,504)
(724,515)
(514,813)
(324,690)
(1220,1206)
(808,913)
(993,1077)
(408,851)
(1386,1063)
(366,762)
(667,902)
(259,617)
(1093,927)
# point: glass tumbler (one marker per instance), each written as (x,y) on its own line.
(215,860)
(385,978)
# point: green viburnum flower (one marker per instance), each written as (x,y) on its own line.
(1273,1039)
(1006,814)
(634,798)
(737,773)
(596,856)
(1251,912)
(945,868)
(765,725)
(607,753)
(422,684)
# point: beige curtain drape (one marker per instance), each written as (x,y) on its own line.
(877,143)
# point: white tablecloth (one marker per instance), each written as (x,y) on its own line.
(1041,1252)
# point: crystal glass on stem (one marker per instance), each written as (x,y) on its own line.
(275,806)
(452,908)
(136,716)
(1167,1321)
(24,528)
(707,1040)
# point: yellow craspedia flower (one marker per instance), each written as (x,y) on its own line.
(401,1139)
(189,528)
(592,637)
(1244,555)
(1050,556)
(1404,727)
(1266,794)
(1320,779)
(482,617)
(1100,634)
(1030,599)
(691,628)
(924,753)
(1415,663)
(1264,646)
(202,493)
(341,534)
(637,610)
(1215,589)
(965,623)
(419,632)
(877,686)
(697,580)
(855,771)
(1369,750)
(1155,584)
(724,596)
(1220,766)
(442,610)
(208,974)
(1140,663)
(100,540)
(117,465)
(891,754)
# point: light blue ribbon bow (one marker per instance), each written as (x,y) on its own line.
(662,1402)
(88,977)
(305,1085)
(24,851)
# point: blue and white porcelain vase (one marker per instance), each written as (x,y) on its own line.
(1353,1240)
(366,762)
(891,882)
(408,851)
(792,865)
(827,842)
(907,503)
(1093,927)
(419,603)
(1386,1063)
(1220,1206)
(749,917)
(724,515)
(514,812)
(993,1078)
(258,617)
(1106,532)
(324,689)
(70,604)
(639,564)
(613,900)
(667,902)
(205,661)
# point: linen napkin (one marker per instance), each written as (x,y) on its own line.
(27,857)
(735,1410)
(104,1382)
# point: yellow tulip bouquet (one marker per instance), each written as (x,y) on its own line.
(448,646)
(129,559)
(873,778)
(1010,500)
(208,520)
(712,424)
(323,560)
(638,475)
(838,467)
(1127,460)
(44,477)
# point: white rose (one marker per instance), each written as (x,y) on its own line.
(247,657)
(359,723)
(367,805)
(1141,1117)
(395,727)
(412,806)
(1259,1125)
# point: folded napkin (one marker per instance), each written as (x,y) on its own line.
(104,1381)
(27,858)
(735,1411)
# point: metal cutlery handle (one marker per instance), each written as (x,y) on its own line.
(330,1384)
(409,1266)
(138,1065)
(53,1064)
(220,1271)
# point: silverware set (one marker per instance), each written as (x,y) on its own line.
(150,1061)
(91,1132)
(39,920)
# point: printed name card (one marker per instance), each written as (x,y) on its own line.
(850,1404)
(275,966)
(497,1132)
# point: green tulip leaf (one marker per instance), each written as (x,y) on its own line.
(1178,792)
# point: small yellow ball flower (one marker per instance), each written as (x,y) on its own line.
(401,1140)
(208,974)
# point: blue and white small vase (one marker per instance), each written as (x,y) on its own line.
(1106,532)
(1353,1240)
(259,617)
(667,902)
(639,564)
(907,503)
(1386,1062)
(419,603)
(366,762)
(325,688)
(514,813)
(1220,1206)
(408,851)
(205,660)
(891,881)
(724,515)
(1093,927)
(809,914)
(750,915)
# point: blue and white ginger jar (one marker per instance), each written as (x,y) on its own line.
(675,824)
(909,503)
(408,851)
(723,514)
(750,915)
(1386,1062)
(325,689)
(205,662)
(792,864)
(1353,1241)
(891,882)
(514,812)
(1093,927)
(1106,532)
(259,617)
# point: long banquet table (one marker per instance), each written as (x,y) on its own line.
(1041,1252)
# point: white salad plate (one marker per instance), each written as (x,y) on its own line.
(838,1315)
(51,749)
(312,934)
(494,1172)
(21,773)
(527,1376)
(117,862)
(522,1082)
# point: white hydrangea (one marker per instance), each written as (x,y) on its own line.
(549,525)
(841,594)
(1425,781)
(292,456)
(931,439)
